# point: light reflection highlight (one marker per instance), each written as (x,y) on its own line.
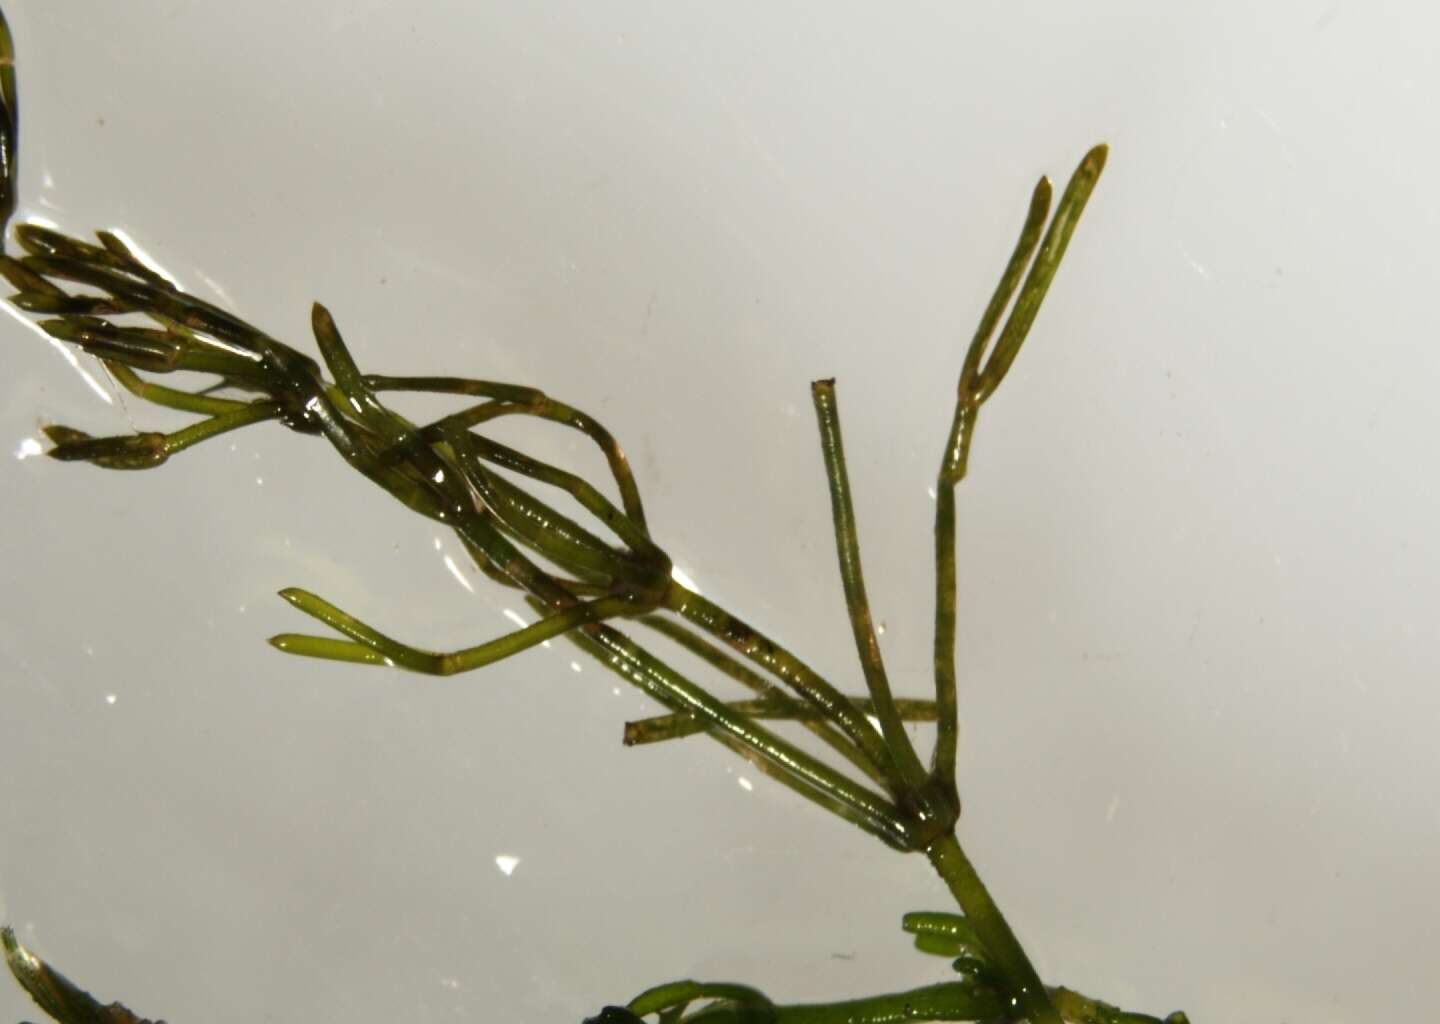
(236,350)
(681,577)
(59,346)
(29,448)
(144,257)
(455,571)
(507,864)
(214,286)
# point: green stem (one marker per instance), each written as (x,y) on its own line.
(742,674)
(1006,954)
(581,490)
(366,641)
(776,708)
(681,993)
(170,398)
(554,534)
(148,450)
(800,771)
(9,127)
(852,577)
(954,1000)
(519,400)
(1042,270)
(790,670)
(947,734)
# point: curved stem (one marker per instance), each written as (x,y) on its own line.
(682,993)
(170,398)
(530,402)
(581,490)
(365,639)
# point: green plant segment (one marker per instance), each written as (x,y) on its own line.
(601,581)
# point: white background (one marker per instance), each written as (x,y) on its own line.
(1200,564)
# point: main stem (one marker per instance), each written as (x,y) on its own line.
(1008,956)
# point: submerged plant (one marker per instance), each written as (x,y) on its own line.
(584,583)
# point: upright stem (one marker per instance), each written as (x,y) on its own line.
(947,737)
(979,378)
(852,577)
(1006,953)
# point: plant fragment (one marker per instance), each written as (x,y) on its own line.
(592,581)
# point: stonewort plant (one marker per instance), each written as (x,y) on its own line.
(591,582)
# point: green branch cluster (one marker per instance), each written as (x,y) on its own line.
(587,579)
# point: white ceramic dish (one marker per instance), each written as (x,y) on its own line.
(1199,556)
